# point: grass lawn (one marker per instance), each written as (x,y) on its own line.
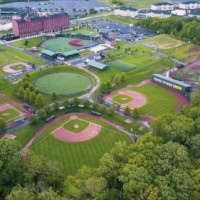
(18,67)
(164,41)
(143,66)
(186,52)
(9,55)
(124,20)
(72,156)
(135,3)
(121,99)
(121,65)
(63,83)
(81,125)
(159,100)
(9,114)
(32,42)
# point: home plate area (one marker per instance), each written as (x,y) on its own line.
(77,130)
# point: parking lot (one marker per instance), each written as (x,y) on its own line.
(122,31)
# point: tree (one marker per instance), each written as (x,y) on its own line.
(110,111)
(136,113)
(127,110)
(76,102)
(195,99)
(2,124)
(19,193)
(20,92)
(123,77)
(174,128)
(54,96)
(32,97)
(108,85)
(49,195)
(39,102)
(34,119)
(116,78)
(56,105)
(42,113)
(27,94)
(102,87)
(26,42)
(193,144)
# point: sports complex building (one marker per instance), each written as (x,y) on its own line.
(31,25)
(172,83)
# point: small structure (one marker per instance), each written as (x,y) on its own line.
(97,65)
(172,83)
(70,54)
(189,5)
(49,54)
(195,13)
(162,6)
(126,11)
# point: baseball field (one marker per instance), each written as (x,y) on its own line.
(75,141)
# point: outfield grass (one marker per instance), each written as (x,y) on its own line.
(164,41)
(32,42)
(63,83)
(82,125)
(121,99)
(61,44)
(159,100)
(9,55)
(144,67)
(73,156)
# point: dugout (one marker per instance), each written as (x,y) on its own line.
(97,65)
(70,54)
(49,54)
(171,83)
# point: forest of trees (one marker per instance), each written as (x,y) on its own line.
(184,28)
(164,164)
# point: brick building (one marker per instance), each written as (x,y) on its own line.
(37,24)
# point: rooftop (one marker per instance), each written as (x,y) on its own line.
(162,4)
(97,65)
(180,83)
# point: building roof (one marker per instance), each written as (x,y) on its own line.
(161,12)
(70,53)
(127,8)
(162,4)
(48,52)
(180,83)
(195,12)
(188,2)
(97,65)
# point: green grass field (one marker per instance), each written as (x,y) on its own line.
(81,125)
(143,66)
(123,20)
(9,55)
(32,42)
(135,3)
(159,100)
(83,31)
(9,114)
(73,156)
(163,42)
(63,83)
(186,52)
(18,67)
(121,65)
(121,99)
(62,44)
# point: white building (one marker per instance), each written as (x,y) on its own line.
(189,5)
(159,13)
(126,11)
(162,6)
(179,12)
